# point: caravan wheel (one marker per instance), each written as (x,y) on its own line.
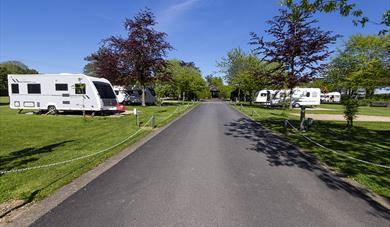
(51,110)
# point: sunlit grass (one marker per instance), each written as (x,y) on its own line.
(33,140)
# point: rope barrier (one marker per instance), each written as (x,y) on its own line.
(336,152)
(88,155)
(81,157)
(329,149)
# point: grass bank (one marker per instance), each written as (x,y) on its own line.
(33,140)
(368,141)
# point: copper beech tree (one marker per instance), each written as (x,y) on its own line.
(137,58)
(297,46)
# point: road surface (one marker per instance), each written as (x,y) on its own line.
(214,167)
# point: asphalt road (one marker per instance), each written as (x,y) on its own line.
(214,167)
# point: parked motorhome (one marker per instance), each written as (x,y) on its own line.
(331,97)
(300,97)
(64,92)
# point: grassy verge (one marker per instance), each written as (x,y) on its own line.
(4,101)
(367,140)
(339,109)
(33,140)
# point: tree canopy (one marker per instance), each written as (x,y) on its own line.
(12,67)
(363,62)
(186,81)
(137,58)
(296,45)
(343,7)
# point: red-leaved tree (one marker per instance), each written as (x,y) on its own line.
(137,58)
(299,47)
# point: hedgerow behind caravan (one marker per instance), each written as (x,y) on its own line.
(65,92)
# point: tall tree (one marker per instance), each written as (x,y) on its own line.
(137,58)
(297,46)
(90,68)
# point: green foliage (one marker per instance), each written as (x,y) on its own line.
(12,67)
(343,7)
(186,83)
(90,68)
(246,71)
(351,108)
(363,62)
(217,82)
(33,140)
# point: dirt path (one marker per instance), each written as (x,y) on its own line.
(339,117)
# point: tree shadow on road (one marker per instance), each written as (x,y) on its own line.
(280,152)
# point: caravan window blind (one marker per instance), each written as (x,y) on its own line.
(15,88)
(61,87)
(33,88)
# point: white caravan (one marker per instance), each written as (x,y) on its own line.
(266,96)
(135,96)
(65,92)
(300,97)
(331,97)
(121,94)
(306,97)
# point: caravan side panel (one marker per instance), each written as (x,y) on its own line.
(65,92)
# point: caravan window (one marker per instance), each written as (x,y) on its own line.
(314,94)
(61,87)
(15,88)
(79,88)
(105,90)
(263,94)
(33,88)
(307,94)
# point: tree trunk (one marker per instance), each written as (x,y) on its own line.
(143,95)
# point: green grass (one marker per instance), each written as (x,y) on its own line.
(33,140)
(338,109)
(367,140)
(4,101)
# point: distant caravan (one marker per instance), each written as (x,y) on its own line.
(300,97)
(331,97)
(61,92)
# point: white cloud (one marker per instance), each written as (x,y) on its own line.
(174,11)
(180,7)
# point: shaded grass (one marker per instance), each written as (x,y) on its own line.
(368,141)
(339,109)
(33,140)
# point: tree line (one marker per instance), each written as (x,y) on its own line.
(12,67)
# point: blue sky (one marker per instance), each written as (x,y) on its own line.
(54,36)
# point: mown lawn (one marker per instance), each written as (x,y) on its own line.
(369,141)
(33,140)
(339,109)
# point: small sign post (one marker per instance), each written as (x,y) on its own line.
(136,117)
(302,125)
